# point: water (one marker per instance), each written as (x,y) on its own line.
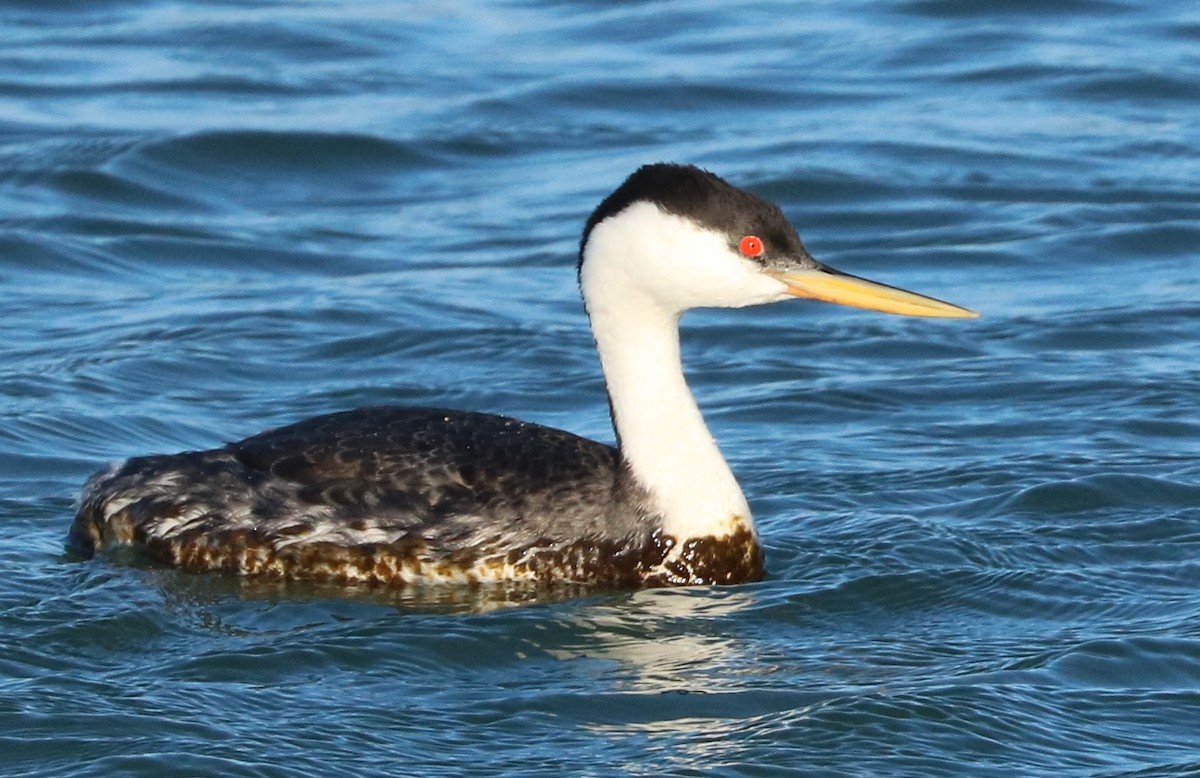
(982,536)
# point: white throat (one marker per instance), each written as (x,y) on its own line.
(641,270)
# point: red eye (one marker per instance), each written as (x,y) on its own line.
(751,246)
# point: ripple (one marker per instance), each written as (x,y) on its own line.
(287,165)
(965,8)
(1100,493)
(1131,663)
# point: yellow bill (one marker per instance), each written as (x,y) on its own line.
(834,286)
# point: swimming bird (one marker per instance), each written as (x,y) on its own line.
(394,495)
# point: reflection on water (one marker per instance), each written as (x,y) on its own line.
(642,632)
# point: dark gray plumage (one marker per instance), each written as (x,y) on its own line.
(442,484)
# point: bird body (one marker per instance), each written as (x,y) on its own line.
(399,495)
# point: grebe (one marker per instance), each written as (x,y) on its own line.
(404,495)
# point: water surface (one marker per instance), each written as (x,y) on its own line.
(982,536)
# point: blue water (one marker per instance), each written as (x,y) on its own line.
(983,536)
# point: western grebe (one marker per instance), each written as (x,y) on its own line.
(403,495)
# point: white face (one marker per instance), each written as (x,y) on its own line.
(675,262)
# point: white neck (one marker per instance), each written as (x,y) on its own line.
(636,325)
(662,434)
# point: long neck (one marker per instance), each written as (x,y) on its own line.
(660,431)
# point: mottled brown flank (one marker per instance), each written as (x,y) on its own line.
(730,560)
(708,560)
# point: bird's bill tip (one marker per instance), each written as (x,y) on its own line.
(834,286)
